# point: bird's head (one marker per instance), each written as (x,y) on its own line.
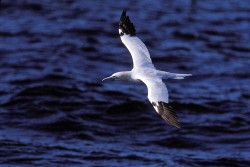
(120,76)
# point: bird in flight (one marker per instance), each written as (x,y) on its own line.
(144,71)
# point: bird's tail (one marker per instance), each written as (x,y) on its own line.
(181,76)
(168,75)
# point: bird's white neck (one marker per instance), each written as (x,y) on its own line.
(126,76)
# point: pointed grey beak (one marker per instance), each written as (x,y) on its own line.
(108,78)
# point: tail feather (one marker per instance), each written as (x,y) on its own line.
(181,76)
(168,75)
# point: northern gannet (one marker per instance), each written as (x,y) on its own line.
(144,71)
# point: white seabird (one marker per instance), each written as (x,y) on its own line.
(144,71)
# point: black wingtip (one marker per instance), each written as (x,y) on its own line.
(126,26)
(168,114)
(123,15)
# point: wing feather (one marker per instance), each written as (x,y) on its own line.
(138,50)
(158,96)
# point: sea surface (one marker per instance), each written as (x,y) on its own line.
(55,111)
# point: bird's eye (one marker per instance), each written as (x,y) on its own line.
(115,77)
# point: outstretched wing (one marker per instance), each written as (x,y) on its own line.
(158,96)
(136,47)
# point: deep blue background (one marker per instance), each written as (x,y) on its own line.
(55,111)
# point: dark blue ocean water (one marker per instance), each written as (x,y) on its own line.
(55,111)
